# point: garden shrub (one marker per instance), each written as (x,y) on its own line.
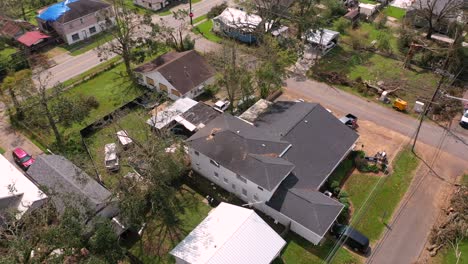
(342,25)
(216,10)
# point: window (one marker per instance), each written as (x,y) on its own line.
(244,192)
(214,163)
(175,92)
(197,153)
(92,30)
(255,197)
(81,20)
(260,188)
(233,186)
(75,37)
(216,174)
(226,180)
(149,81)
(240,178)
(163,87)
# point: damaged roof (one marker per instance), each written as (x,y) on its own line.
(239,147)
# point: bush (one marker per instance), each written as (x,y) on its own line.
(404,40)
(381,21)
(188,43)
(358,39)
(342,24)
(92,102)
(343,194)
(216,10)
(211,90)
(383,43)
(334,184)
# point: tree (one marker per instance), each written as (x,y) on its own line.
(175,36)
(234,75)
(383,42)
(15,8)
(15,86)
(49,108)
(305,16)
(44,236)
(434,12)
(152,193)
(130,36)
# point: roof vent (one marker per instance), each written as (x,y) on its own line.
(238,131)
(305,121)
(263,145)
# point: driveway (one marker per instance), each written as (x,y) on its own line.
(11,139)
(406,236)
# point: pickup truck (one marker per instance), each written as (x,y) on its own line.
(350,120)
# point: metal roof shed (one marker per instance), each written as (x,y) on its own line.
(322,37)
(230,235)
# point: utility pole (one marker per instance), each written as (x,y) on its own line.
(439,85)
(190,13)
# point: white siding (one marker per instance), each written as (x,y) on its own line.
(295,226)
(85,33)
(202,165)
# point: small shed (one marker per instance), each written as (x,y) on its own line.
(230,235)
(322,37)
(368,10)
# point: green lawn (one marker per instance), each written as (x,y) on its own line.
(91,71)
(395,12)
(134,124)
(205,30)
(88,44)
(447,255)
(199,19)
(2,151)
(300,251)
(153,248)
(165,13)
(368,1)
(344,61)
(386,197)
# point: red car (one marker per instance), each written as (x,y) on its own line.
(22,158)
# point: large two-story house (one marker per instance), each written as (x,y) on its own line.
(278,163)
(76,20)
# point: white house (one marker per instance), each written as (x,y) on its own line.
(178,74)
(279,161)
(151,4)
(76,20)
(17,193)
(230,235)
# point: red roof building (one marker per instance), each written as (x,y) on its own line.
(32,38)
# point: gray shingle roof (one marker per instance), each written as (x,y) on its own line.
(184,70)
(311,209)
(319,140)
(82,8)
(68,185)
(239,147)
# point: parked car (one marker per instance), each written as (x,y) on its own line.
(353,238)
(22,158)
(350,120)
(464,119)
(111,159)
(221,105)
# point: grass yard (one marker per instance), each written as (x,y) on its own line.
(346,62)
(205,30)
(2,151)
(368,1)
(387,195)
(447,255)
(300,251)
(164,13)
(395,12)
(154,247)
(88,44)
(199,19)
(134,124)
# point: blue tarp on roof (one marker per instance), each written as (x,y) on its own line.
(55,11)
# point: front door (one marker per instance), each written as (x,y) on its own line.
(85,34)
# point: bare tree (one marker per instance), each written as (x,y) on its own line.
(176,37)
(434,12)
